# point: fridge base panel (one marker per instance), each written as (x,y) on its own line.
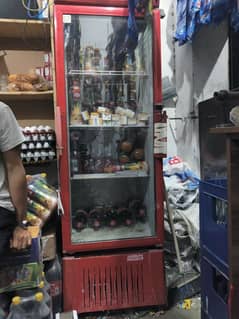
(116,281)
(106,233)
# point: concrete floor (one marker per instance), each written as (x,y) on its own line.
(178,313)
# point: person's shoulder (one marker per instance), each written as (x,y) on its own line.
(3,106)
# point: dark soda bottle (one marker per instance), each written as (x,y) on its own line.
(79,220)
(138,209)
(96,218)
(126,216)
(53,275)
(111,217)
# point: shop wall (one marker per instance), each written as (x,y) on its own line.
(201,68)
(168,69)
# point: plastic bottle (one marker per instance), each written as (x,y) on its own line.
(111,217)
(42,310)
(46,295)
(95,218)
(16,310)
(79,220)
(54,278)
(28,294)
(31,306)
(4,305)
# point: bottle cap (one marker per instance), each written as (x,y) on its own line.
(16,300)
(39,296)
(41,285)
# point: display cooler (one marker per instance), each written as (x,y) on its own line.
(109,130)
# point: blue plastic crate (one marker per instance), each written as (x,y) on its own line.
(213,220)
(204,315)
(214,291)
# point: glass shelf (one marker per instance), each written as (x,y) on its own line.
(107,73)
(125,174)
(93,127)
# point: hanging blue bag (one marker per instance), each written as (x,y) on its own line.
(193,18)
(206,11)
(181,30)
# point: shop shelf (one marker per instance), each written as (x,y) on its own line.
(107,73)
(125,174)
(25,34)
(105,127)
(26,96)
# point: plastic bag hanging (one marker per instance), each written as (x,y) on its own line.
(206,12)
(131,40)
(181,31)
(193,18)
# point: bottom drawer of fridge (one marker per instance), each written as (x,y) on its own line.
(115,281)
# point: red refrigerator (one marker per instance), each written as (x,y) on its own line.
(108,80)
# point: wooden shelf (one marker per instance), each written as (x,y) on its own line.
(26,96)
(225,130)
(25,34)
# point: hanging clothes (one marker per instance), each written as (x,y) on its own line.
(191,14)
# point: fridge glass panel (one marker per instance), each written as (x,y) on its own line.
(109,84)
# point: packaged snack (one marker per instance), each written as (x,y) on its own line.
(41,192)
(33,220)
(38,210)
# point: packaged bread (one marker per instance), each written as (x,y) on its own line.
(20,86)
(24,78)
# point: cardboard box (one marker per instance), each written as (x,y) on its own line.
(24,276)
(48,247)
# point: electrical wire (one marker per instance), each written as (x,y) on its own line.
(26,6)
(37,11)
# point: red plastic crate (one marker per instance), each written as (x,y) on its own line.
(108,282)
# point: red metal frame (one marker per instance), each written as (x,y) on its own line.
(64,165)
(157,57)
(113,3)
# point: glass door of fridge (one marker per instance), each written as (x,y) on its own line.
(110,128)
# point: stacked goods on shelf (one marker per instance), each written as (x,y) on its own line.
(42,199)
(102,94)
(39,145)
(102,157)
